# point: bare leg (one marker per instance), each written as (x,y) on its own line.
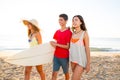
(73,65)
(40,71)
(27,72)
(54,75)
(67,76)
(77,73)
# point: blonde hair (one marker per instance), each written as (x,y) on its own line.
(35,28)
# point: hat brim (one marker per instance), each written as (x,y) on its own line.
(33,22)
(25,22)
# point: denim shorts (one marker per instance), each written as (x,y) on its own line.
(58,62)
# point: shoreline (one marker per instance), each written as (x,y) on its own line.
(7,53)
(100,53)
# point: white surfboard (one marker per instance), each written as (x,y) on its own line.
(40,54)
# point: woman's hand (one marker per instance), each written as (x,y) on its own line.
(87,68)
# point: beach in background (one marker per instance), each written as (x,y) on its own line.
(105,61)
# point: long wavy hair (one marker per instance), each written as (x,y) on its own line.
(82,26)
(35,28)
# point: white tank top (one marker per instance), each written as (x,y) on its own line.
(77,52)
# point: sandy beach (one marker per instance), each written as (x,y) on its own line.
(104,66)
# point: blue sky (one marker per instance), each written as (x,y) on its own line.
(101,16)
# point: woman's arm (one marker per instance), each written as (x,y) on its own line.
(38,37)
(86,41)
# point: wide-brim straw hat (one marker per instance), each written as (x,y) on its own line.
(32,21)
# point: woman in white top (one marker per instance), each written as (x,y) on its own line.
(34,39)
(79,48)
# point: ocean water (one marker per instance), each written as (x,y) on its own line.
(105,44)
(17,43)
(13,42)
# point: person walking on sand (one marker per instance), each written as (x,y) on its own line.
(62,44)
(34,39)
(79,48)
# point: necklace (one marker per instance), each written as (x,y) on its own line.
(78,31)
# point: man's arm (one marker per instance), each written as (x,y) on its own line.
(67,46)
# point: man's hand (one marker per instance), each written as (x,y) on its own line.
(53,43)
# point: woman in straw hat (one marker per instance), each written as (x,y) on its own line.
(34,39)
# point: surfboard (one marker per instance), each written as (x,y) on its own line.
(40,54)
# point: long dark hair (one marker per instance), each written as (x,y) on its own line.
(82,26)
